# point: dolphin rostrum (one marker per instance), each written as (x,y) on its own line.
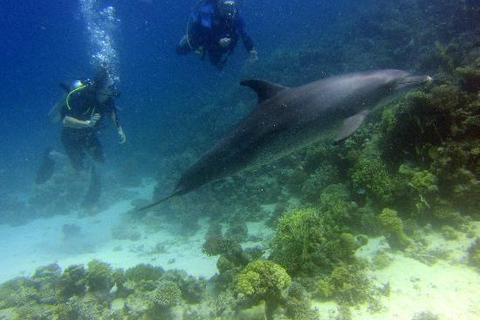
(287,119)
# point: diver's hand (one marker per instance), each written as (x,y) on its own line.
(200,52)
(225,42)
(253,56)
(93,120)
(122,135)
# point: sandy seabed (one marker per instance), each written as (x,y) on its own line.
(448,289)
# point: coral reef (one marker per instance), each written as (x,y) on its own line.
(474,254)
(263,280)
(392,225)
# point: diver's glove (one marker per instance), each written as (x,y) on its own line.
(93,120)
(225,42)
(253,56)
(122,135)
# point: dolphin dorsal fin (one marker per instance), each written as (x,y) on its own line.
(264,89)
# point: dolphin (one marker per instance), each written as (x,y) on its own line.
(288,119)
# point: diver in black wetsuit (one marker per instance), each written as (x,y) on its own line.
(84,107)
(214,27)
(80,111)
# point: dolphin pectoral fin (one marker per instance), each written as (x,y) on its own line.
(264,89)
(350,125)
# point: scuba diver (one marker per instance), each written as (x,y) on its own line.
(81,112)
(214,27)
(85,105)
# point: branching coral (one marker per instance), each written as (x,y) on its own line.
(372,176)
(323,176)
(422,187)
(348,285)
(474,254)
(299,234)
(263,280)
(72,282)
(144,273)
(297,303)
(392,225)
(167,294)
(99,277)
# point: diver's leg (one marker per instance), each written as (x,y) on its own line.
(217,58)
(184,46)
(71,141)
(94,190)
(94,147)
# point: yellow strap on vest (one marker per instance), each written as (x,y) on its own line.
(67,99)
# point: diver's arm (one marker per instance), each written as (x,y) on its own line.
(71,122)
(121,134)
(246,40)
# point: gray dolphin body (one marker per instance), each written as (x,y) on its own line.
(287,119)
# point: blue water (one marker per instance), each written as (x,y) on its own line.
(45,43)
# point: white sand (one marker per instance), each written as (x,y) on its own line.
(448,289)
(42,242)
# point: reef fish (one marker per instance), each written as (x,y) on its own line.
(288,119)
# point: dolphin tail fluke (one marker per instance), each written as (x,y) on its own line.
(151,205)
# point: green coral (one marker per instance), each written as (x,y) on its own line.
(447,215)
(470,78)
(72,282)
(308,241)
(322,177)
(474,254)
(193,289)
(381,260)
(392,226)
(219,245)
(371,175)
(348,285)
(449,233)
(298,236)
(143,276)
(336,204)
(167,294)
(16,292)
(297,303)
(263,280)
(422,185)
(456,166)
(99,277)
